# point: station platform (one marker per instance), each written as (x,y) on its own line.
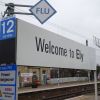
(52,86)
(61,91)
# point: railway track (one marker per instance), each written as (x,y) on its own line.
(59,93)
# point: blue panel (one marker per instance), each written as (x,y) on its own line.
(11,68)
(8,85)
(8,68)
(8,28)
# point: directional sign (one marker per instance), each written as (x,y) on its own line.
(8,80)
(43,11)
(7,28)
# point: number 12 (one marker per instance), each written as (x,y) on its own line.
(7,27)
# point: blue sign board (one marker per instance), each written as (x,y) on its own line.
(8,28)
(8,81)
(42,11)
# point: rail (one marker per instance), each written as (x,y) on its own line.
(59,93)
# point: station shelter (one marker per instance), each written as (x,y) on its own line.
(47,54)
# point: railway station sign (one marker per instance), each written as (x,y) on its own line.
(39,47)
(8,81)
(43,11)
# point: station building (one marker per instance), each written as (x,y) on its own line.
(53,58)
(46,53)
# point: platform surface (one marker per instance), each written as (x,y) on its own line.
(53,86)
(84,97)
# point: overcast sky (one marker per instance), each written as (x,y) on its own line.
(75,19)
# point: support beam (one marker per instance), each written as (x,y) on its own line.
(95,81)
(19,5)
(22,13)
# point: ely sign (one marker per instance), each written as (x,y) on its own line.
(44,48)
(43,11)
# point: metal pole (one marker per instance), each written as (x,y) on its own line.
(95,81)
(86,42)
(22,13)
(89,75)
(19,5)
(58,76)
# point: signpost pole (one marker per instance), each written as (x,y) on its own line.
(95,81)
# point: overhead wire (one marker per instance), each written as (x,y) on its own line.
(56,25)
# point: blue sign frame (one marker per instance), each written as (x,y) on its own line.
(10,68)
(8,28)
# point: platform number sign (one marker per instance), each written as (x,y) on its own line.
(8,28)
